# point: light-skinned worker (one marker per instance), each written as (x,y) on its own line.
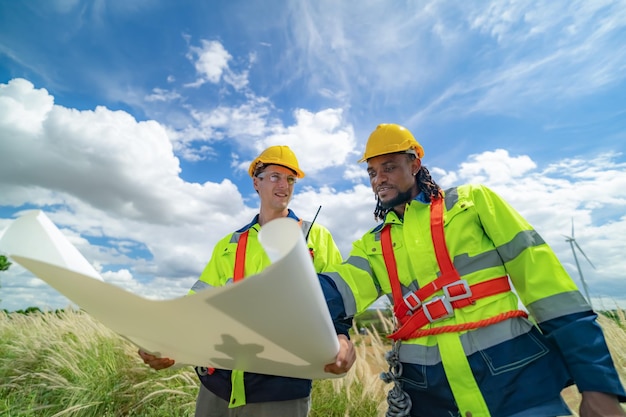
(226,393)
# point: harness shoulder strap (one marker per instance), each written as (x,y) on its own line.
(392,269)
(240,257)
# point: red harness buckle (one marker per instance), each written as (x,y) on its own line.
(412,301)
(438,308)
(458,290)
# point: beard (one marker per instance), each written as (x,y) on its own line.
(401,198)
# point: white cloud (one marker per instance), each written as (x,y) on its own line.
(495,167)
(160,94)
(211,61)
(22,108)
(101,174)
(320,140)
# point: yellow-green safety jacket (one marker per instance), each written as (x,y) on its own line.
(238,387)
(497,370)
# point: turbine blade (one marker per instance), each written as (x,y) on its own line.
(581,251)
(572,227)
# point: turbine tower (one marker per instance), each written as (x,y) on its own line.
(572,243)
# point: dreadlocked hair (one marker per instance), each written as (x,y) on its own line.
(425,184)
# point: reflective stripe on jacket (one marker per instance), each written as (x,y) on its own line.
(219,272)
(486,238)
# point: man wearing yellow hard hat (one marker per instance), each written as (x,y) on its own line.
(225,393)
(457,263)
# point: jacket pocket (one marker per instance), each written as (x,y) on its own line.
(515,354)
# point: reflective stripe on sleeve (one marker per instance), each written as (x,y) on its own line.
(558,305)
(200,285)
(523,240)
(466,264)
(360,263)
(349,303)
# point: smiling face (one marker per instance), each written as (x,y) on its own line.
(275,196)
(392,177)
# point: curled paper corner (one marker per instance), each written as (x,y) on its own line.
(34,236)
(279,236)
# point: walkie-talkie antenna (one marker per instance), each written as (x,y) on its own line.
(306,238)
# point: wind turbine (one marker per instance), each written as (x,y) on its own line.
(572,243)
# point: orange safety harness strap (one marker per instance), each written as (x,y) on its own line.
(412,313)
(240,256)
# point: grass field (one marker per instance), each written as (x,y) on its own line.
(68,364)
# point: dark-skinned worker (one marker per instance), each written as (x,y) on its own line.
(226,393)
(456,264)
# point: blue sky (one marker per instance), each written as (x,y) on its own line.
(132,123)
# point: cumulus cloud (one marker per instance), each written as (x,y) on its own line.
(321,140)
(211,61)
(101,174)
(494,167)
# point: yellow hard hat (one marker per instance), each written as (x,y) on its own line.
(277,155)
(390,138)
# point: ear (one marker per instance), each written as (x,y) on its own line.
(255,183)
(416,164)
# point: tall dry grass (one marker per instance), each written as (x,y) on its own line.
(68,364)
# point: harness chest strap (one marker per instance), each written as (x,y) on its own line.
(411,312)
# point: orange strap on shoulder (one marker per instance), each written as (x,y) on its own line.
(392,269)
(240,257)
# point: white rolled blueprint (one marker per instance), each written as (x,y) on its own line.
(275,322)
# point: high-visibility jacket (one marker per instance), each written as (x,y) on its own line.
(499,369)
(237,387)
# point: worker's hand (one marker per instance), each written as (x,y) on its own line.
(599,404)
(154,361)
(345,358)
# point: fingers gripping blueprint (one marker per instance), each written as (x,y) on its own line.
(275,322)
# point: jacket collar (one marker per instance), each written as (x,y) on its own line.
(392,217)
(255,221)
